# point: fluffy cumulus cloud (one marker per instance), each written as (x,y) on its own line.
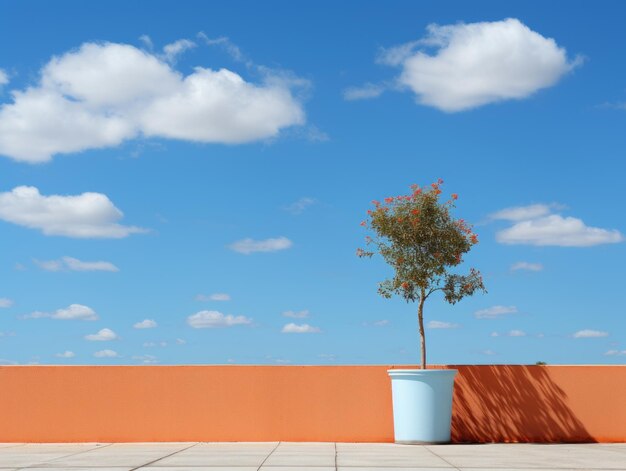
(74,264)
(214,319)
(495,312)
(248,246)
(88,215)
(463,66)
(108,93)
(526,266)
(442,325)
(72,312)
(6,302)
(537,225)
(145,324)
(292,328)
(103,335)
(213,297)
(589,334)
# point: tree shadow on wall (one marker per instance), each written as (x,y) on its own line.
(512,404)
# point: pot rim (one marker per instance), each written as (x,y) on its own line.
(419,372)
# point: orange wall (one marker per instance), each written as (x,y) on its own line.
(300,403)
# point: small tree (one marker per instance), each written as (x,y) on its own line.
(419,238)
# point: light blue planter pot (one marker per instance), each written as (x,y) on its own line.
(422,405)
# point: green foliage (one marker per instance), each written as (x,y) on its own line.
(417,236)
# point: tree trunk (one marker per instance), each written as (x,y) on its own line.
(420,317)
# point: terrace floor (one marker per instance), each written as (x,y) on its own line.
(285,456)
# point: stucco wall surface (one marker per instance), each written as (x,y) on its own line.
(301,403)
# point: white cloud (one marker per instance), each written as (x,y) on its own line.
(213,319)
(145,324)
(478,63)
(615,352)
(77,265)
(588,333)
(173,50)
(181,341)
(4,78)
(494,334)
(381,323)
(73,264)
(297,314)
(103,335)
(231,49)
(155,344)
(364,92)
(147,41)
(219,106)
(72,312)
(299,206)
(521,213)
(442,325)
(559,231)
(327,356)
(106,354)
(494,312)
(66,354)
(76,311)
(527,266)
(88,215)
(487,352)
(248,246)
(49,265)
(516,333)
(5,302)
(108,93)
(292,328)
(213,297)
(146,359)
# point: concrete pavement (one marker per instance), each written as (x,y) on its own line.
(286,456)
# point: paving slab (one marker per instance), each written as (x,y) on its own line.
(36,454)
(274,456)
(120,455)
(531,456)
(219,454)
(11,445)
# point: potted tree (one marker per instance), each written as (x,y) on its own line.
(419,238)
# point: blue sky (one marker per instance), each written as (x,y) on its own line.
(184,184)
